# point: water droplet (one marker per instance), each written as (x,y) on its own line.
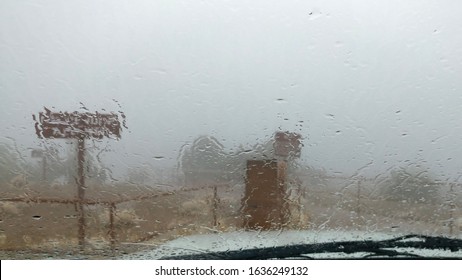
(36,217)
(312,15)
(159,157)
(330,116)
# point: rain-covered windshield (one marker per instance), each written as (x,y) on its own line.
(130,127)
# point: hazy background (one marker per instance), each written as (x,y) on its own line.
(371,84)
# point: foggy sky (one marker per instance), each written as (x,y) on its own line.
(375,84)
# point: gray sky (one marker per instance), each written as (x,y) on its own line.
(376,83)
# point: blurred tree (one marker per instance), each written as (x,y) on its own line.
(204,162)
(10,165)
(64,168)
(412,184)
(139,176)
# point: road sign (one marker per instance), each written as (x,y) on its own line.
(77,125)
(288,144)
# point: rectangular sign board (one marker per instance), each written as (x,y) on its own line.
(288,144)
(77,125)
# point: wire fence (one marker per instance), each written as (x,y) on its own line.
(156,216)
(33,221)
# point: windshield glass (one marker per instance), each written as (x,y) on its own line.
(155,128)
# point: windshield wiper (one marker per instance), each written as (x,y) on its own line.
(388,248)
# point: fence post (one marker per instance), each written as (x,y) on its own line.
(112,237)
(215,206)
(358,198)
(81,189)
(452,209)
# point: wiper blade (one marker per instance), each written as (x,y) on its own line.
(373,249)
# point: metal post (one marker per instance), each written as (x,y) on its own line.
(299,204)
(215,207)
(112,209)
(81,189)
(358,198)
(452,208)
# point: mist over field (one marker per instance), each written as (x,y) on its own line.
(200,88)
(369,86)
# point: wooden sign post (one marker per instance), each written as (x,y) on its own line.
(79,126)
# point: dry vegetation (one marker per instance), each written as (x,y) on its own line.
(327,204)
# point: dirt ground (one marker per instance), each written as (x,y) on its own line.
(49,230)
